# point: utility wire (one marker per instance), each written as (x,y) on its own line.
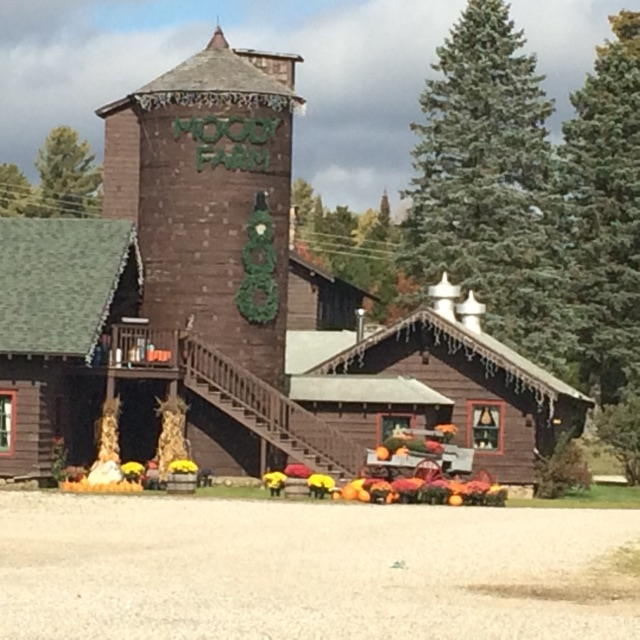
(334,235)
(321,246)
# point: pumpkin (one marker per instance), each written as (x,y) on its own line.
(382,453)
(389,499)
(364,496)
(455,501)
(349,492)
(402,451)
(335,495)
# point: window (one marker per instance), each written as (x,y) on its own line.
(7,411)
(389,422)
(486,425)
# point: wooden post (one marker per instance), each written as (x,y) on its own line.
(263,457)
(111,385)
(173,388)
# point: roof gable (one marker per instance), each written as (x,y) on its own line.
(59,278)
(482,346)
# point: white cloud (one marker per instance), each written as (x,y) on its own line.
(365,66)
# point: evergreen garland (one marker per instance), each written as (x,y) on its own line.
(259,275)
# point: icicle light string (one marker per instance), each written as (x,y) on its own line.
(151,101)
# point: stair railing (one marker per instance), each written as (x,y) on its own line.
(280,414)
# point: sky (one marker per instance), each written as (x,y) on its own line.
(366,62)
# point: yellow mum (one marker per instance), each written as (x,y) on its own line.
(183,466)
(320,481)
(274,479)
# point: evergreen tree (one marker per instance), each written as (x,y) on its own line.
(15,191)
(69,179)
(385,210)
(601,177)
(481,207)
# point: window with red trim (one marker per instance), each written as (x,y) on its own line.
(485,420)
(389,422)
(7,421)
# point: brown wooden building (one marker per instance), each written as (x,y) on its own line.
(151,302)
(318,300)
(505,407)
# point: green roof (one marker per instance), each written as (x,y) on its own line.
(364,388)
(306,349)
(58,279)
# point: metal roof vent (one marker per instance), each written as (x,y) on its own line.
(471,312)
(444,296)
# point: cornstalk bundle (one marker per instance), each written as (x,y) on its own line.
(171,445)
(106,430)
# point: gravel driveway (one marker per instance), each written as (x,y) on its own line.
(120,568)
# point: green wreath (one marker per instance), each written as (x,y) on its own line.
(260,219)
(246,304)
(265,267)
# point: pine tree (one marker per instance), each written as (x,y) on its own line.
(69,179)
(481,207)
(15,191)
(601,177)
(385,210)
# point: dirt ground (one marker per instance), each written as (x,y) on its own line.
(85,567)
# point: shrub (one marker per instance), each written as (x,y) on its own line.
(565,469)
(618,426)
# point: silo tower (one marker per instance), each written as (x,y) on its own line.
(201,159)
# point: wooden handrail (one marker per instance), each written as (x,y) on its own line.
(280,414)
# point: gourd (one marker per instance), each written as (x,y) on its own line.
(364,496)
(455,501)
(349,493)
(382,453)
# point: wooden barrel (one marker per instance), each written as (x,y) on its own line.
(296,488)
(182,483)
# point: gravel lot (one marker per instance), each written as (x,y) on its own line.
(84,567)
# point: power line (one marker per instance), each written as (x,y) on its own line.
(320,246)
(334,235)
(356,255)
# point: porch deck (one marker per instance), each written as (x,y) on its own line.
(139,352)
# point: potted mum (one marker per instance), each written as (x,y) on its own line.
(132,471)
(274,481)
(320,485)
(183,477)
(448,432)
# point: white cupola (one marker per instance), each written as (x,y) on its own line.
(444,296)
(471,312)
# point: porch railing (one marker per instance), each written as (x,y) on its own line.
(142,346)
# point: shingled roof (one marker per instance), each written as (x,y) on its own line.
(58,279)
(217,69)
(486,347)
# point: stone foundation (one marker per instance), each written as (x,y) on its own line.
(234,481)
(10,484)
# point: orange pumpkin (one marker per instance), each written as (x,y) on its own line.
(364,496)
(335,495)
(455,501)
(349,493)
(402,451)
(382,453)
(389,499)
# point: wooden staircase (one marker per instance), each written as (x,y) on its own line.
(268,412)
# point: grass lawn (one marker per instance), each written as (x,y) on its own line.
(598,497)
